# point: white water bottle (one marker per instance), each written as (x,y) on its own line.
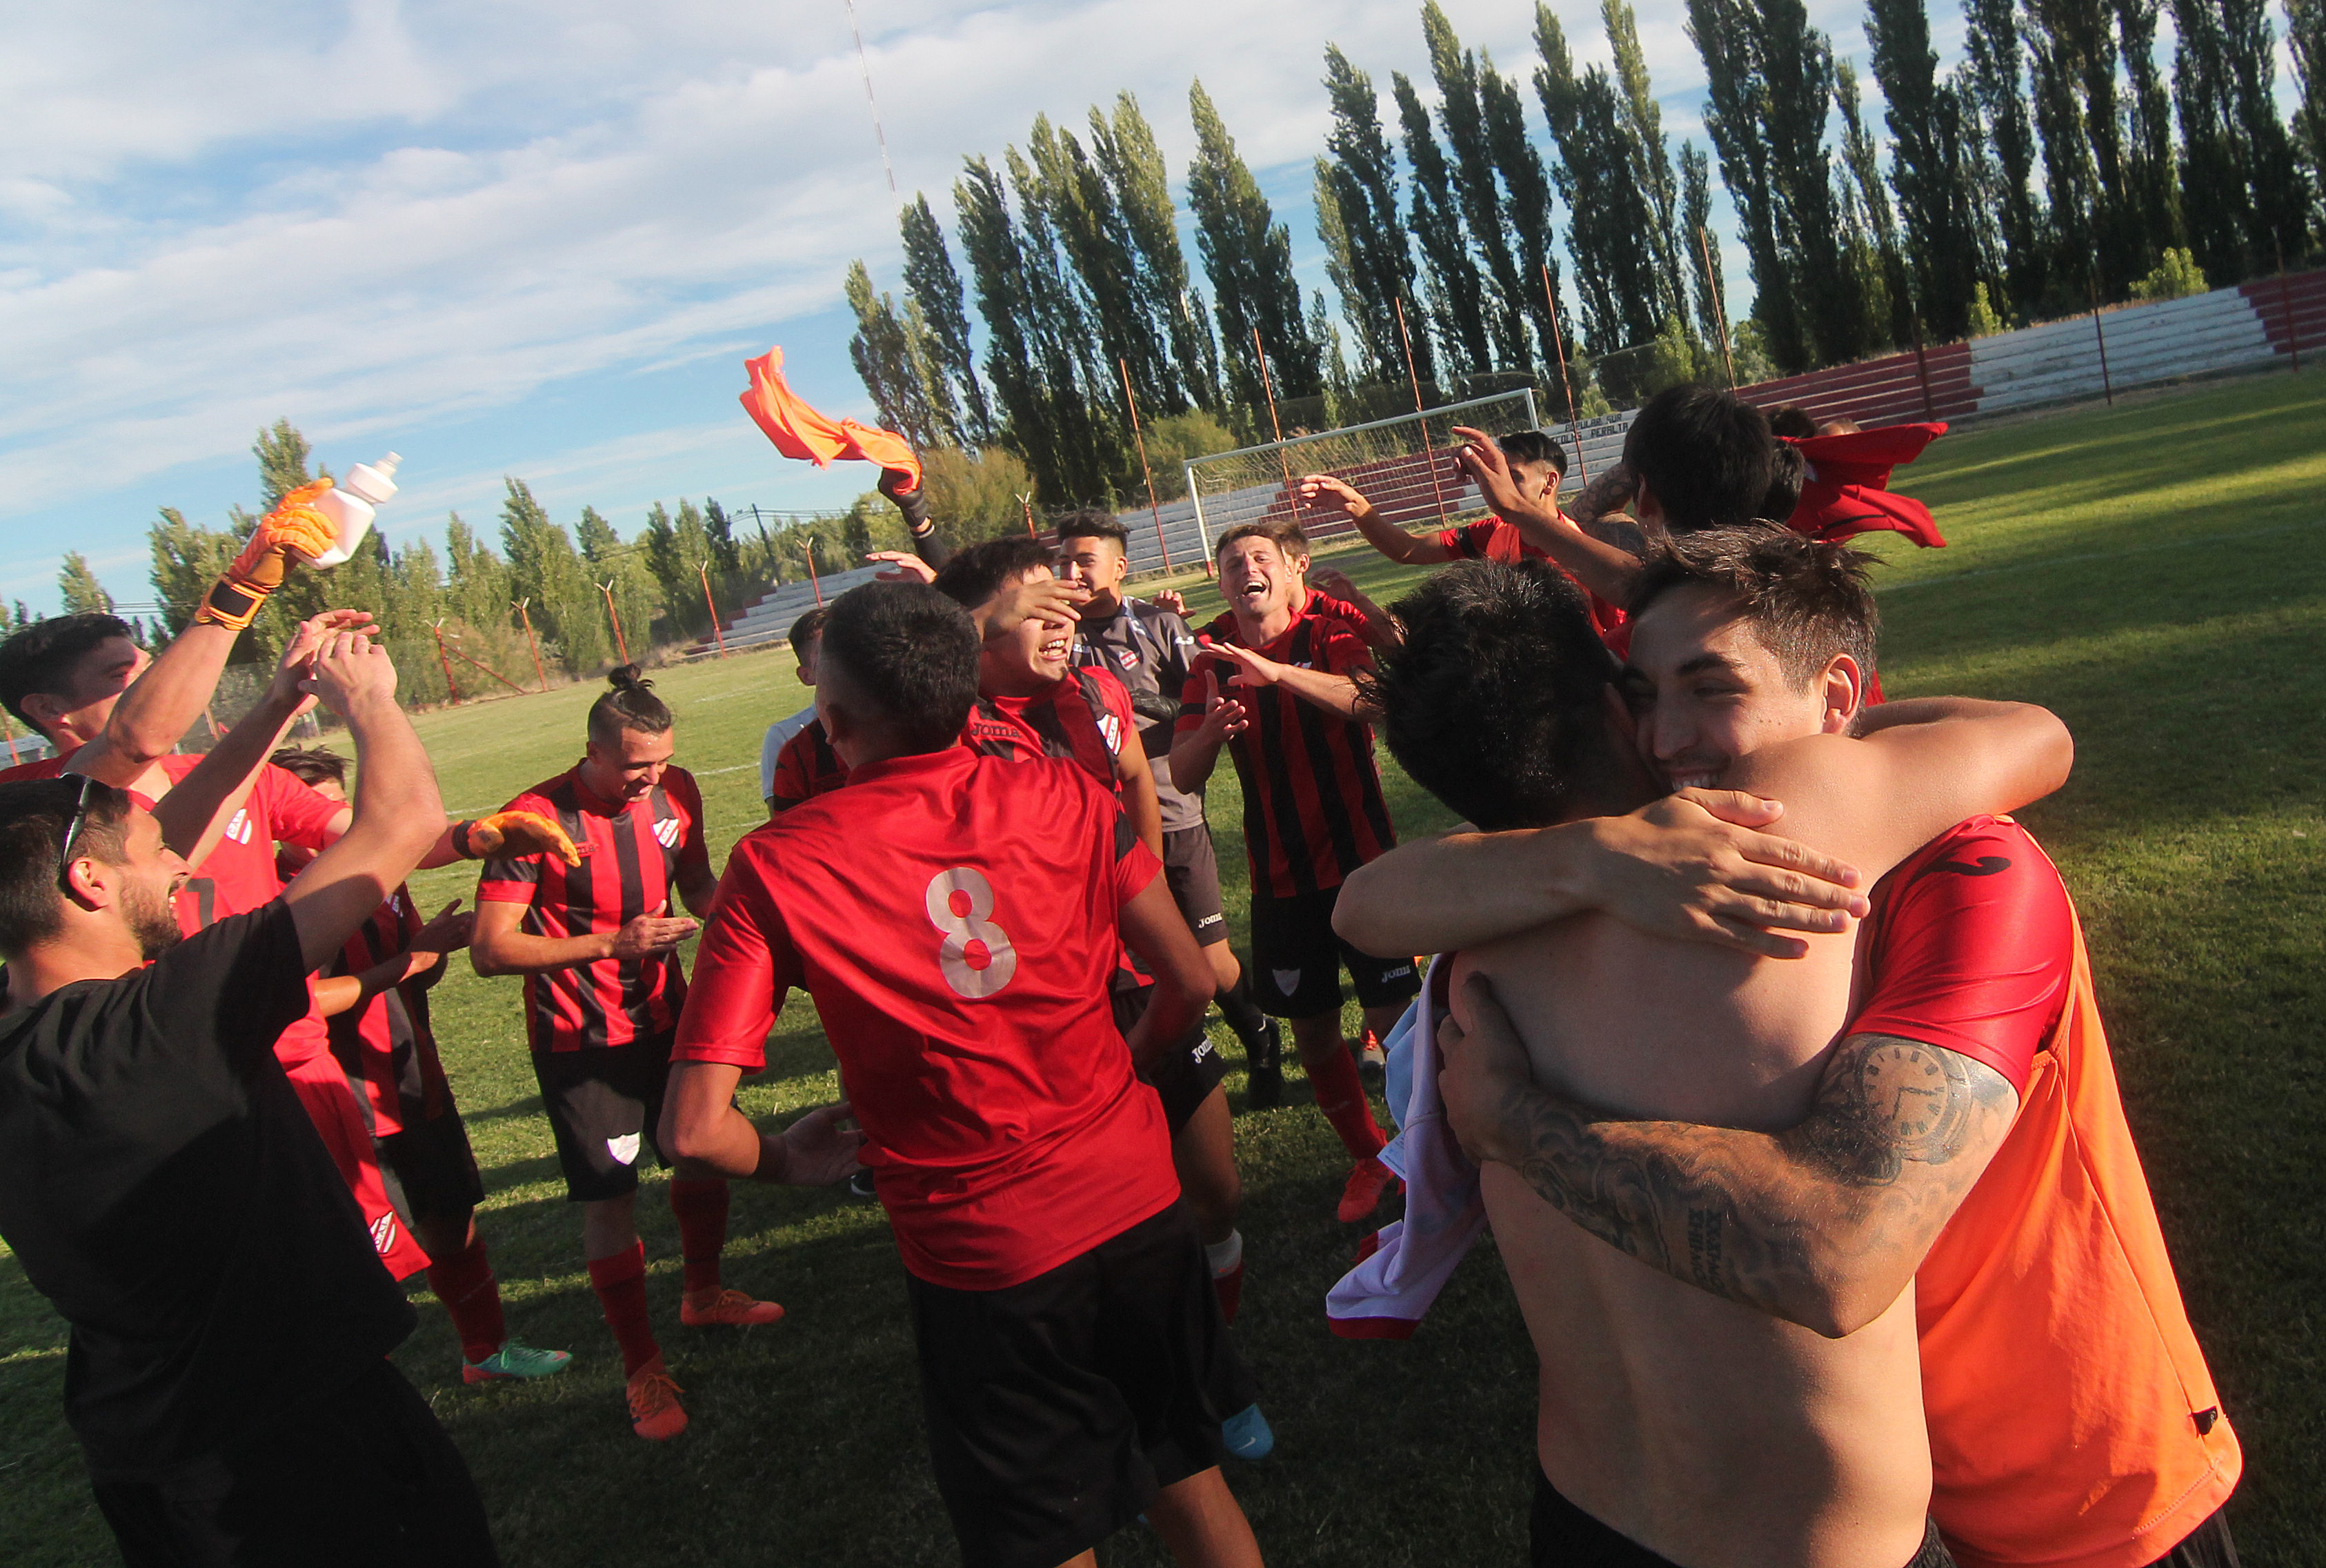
(350,504)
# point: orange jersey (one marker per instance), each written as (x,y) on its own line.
(2072,1421)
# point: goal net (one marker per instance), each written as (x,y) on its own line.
(1401,465)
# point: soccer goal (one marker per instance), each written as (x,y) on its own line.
(1399,464)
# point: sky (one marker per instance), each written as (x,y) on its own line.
(519,238)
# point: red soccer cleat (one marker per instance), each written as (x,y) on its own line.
(655,1413)
(724,1309)
(1370,1181)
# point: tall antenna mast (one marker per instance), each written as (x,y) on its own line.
(877,133)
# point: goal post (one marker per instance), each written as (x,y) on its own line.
(1399,464)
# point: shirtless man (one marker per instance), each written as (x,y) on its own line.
(1675,1425)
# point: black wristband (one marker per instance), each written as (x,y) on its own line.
(460,845)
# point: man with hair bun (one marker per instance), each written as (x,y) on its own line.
(594,938)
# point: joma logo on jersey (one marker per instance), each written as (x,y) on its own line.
(669,831)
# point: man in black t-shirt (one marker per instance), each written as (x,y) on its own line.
(162,1186)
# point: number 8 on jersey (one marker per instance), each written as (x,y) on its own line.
(975,956)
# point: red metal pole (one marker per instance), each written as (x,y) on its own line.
(1922,369)
(1557,341)
(620,643)
(488,669)
(1283,463)
(1719,305)
(1153,509)
(451,686)
(10,730)
(702,570)
(1026,501)
(533,642)
(2106,386)
(1413,377)
(807,548)
(2285,304)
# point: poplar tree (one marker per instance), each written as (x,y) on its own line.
(933,289)
(1456,311)
(2215,204)
(1527,209)
(1704,244)
(2152,193)
(1726,34)
(1089,456)
(78,586)
(1996,82)
(2075,59)
(2305,37)
(2071,183)
(478,586)
(1797,70)
(1650,164)
(1082,208)
(989,240)
(1248,257)
(1359,176)
(1610,214)
(1127,153)
(543,563)
(1926,167)
(637,594)
(896,360)
(1461,112)
(2281,199)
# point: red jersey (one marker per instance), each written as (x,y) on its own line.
(1313,811)
(385,1046)
(1085,715)
(957,917)
(806,768)
(632,857)
(1492,539)
(2073,1420)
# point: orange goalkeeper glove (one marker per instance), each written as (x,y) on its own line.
(294,526)
(514,833)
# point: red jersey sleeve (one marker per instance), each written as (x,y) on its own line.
(511,879)
(745,964)
(1467,542)
(297,814)
(1135,865)
(1340,650)
(791,784)
(1972,946)
(694,849)
(1191,702)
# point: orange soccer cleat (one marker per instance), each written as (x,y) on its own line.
(1369,1182)
(655,1413)
(724,1309)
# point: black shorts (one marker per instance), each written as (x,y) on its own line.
(1192,871)
(1297,959)
(2209,1546)
(1189,1071)
(430,1170)
(1561,1536)
(364,1477)
(604,1105)
(1057,1408)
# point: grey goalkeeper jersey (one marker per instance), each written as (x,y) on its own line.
(1151,652)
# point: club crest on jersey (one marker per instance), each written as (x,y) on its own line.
(1110,729)
(1128,658)
(237,826)
(624,1149)
(669,831)
(383,1235)
(1288,981)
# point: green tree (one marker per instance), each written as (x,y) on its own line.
(2280,198)
(2074,50)
(1650,164)
(1248,257)
(78,586)
(1140,184)
(2305,38)
(1082,402)
(2152,173)
(897,364)
(1726,34)
(637,594)
(1926,165)
(1618,275)
(1695,221)
(543,565)
(1450,291)
(477,587)
(1527,209)
(933,288)
(1879,263)
(1356,183)
(187,559)
(1080,207)
(989,240)
(282,453)
(1478,197)
(1797,73)
(1993,82)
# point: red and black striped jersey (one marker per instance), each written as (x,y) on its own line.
(1085,715)
(805,768)
(1492,539)
(632,857)
(1313,811)
(386,1045)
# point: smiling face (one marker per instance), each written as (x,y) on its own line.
(1257,582)
(77,714)
(1099,565)
(1028,658)
(624,766)
(1705,690)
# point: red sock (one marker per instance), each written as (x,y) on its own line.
(464,1282)
(620,1282)
(701,1208)
(1341,1096)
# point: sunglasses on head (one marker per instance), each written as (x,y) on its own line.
(72,831)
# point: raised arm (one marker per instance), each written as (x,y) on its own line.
(1821,1225)
(502,946)
(1602,567)
(1322,490)
(1195,748)
(1335,693)
(914,504)
(1140,804)
(397,809)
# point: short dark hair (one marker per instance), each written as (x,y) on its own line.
(1791,419)
(1286,535)
(35,815)
(629,704)
(1496,703)
(1705,452)
(313,765)
(1090,523)
(977,573)
(42,657)
(807,627)
(1788,471)
(1534,446)
(1807,601)
(911,651)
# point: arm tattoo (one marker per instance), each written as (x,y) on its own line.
(1900,1130)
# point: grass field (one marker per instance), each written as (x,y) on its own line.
(2156,573)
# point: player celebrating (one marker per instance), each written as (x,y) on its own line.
(603,988)
(789,767)
(1312,813)
(1151,650)
(374,1000)
(956,916)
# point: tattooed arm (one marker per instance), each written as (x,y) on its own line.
(1821,1225)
